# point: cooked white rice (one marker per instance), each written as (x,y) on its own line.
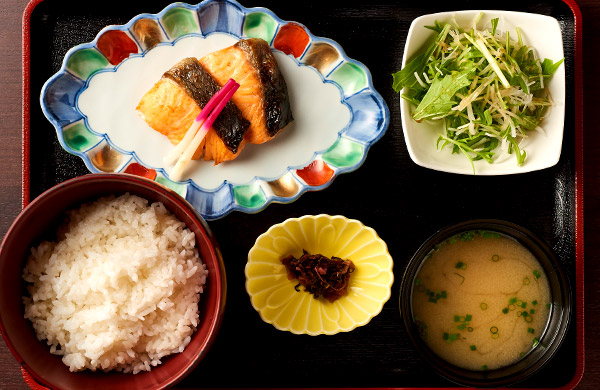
(120,289)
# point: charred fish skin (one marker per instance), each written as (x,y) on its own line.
(275,94)
(197,83)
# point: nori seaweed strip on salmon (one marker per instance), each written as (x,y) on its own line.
(175,101)
(263,96)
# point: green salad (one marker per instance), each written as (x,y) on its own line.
(490,89)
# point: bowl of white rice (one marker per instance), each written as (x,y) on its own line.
(110,281)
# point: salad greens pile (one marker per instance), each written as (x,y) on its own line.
(490,89)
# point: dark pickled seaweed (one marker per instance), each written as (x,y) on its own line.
(277,104)
(190,75)
(320,275)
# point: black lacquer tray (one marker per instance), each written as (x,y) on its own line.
(403,202)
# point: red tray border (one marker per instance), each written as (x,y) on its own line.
(579,266)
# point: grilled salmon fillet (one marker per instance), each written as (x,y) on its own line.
(262,96)
(175,101)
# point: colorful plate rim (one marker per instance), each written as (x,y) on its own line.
(260,192)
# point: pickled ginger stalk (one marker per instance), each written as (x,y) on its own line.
(190,149)
(176,152)
(489,89)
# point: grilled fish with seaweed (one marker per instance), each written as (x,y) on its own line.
(174,102)
(263,96)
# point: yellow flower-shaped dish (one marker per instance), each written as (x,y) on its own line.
(273,295)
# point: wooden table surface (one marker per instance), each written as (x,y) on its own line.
(11,13)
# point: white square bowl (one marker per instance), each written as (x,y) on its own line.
(543,149)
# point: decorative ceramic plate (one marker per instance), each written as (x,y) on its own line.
(277,301)
(543,148)
(338,114)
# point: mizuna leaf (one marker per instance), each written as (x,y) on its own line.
(439,99)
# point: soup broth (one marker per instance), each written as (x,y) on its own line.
(481,300)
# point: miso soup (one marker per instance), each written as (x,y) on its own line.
(481,300)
